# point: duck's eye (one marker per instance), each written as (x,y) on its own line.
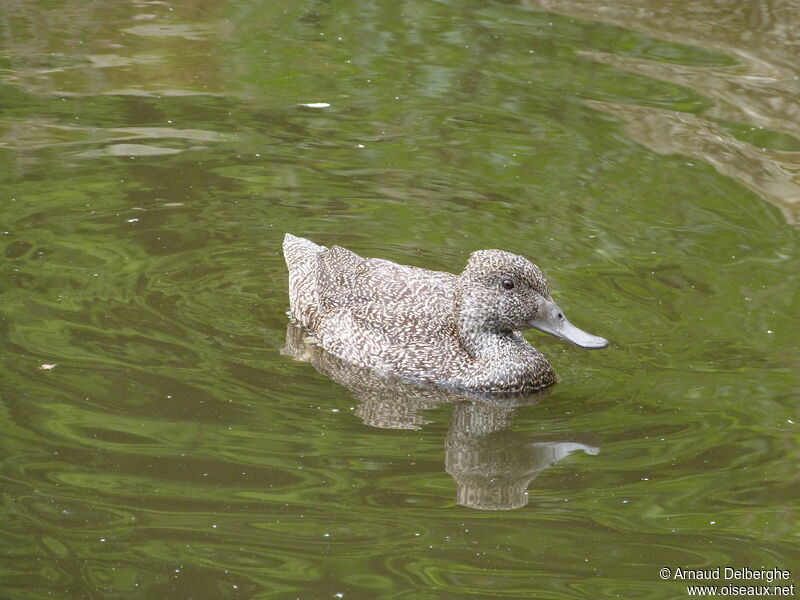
(508,284)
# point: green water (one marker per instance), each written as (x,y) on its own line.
(160,441)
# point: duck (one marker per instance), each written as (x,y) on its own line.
(460,332)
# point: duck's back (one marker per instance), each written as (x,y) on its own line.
(373,312)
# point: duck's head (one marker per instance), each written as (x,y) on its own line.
(506,292)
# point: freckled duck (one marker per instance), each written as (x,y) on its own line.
(457,331)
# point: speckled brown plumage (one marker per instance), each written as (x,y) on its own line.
(455,331)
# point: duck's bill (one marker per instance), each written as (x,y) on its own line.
(552,320)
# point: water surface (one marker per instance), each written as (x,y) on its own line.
(159,437)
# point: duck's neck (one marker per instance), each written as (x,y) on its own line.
(479,336)
(482,343)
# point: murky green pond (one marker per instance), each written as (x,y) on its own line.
(163,436)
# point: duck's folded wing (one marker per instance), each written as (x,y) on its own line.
(379,280)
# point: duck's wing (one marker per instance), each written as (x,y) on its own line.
(382,315)
(383,300)
(402,338)
(386,281)
(344,279)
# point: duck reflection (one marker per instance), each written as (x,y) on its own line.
(491,465)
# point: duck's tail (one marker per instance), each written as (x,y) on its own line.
(301,260)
